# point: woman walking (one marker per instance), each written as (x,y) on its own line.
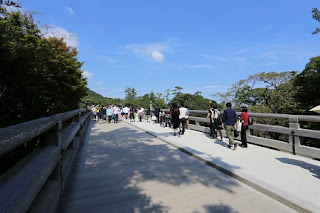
(214,114)
(244,119)
(175,119)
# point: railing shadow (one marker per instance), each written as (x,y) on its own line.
(314,169)
(116,162)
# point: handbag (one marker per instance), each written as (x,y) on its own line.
(236,134)
(154,118)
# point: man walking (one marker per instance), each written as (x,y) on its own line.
(182,117)
(229,123)
(116,110)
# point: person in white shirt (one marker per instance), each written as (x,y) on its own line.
(126,111)
(182,117)
(140,113)
(116,110)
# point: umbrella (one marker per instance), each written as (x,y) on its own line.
(315,109)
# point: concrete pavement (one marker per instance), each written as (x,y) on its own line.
(122,169)
(291,179)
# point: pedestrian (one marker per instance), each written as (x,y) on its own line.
(187,117)
(140,113)
(215,124)
(148,118)
(94,112)
(109,114)
(182,117)
(229,123)
(175,119)
(116,111)
(132,113)
(157,113)
(244,119)
(103,113)
(126,111)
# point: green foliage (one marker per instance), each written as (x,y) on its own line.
(193,102)
(96,99)
(316,16)
(307,85)
(39,76)
(273,90)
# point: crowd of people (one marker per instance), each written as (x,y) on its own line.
(114,113)
(178,116)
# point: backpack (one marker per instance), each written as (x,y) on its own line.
(250,121)
(219,118)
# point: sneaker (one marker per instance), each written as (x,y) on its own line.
(229,146)
(235,146)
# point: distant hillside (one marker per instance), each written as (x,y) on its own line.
(96,98)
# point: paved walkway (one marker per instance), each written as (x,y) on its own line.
(291,179)
(124,169)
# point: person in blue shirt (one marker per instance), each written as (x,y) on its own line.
(229,123)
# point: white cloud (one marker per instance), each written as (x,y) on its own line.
(107,59)
(70,10)
(70,38)
(157,56)
(87,74)
(202,66)
(155,51)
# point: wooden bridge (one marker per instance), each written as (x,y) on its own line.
(83,166)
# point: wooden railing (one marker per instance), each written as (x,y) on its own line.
(36,182)
(294,131)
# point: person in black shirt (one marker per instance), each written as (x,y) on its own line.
(157,113)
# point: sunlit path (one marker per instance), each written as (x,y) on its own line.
(123,169)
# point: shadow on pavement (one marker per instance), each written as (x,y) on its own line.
(113,164)
(315,170)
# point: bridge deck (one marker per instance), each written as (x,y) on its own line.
(123,169)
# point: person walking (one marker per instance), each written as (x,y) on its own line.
(109,113)
(187,118)
(148,118)
(132,113)
(126,111)
(182,117)
(175,119)
(103,113)
(94,112)
(116,111)
(229,123)
(214,114)
(157,112)
(141,113)
(244,119)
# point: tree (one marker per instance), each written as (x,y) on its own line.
(39,76)
(131,96)
(177,90)
(307,85)
(166,95)
(316,16)
(273,90)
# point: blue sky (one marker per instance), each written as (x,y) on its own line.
(204,45)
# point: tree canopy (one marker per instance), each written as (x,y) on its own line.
(39,76)
(307,85)
(272,90)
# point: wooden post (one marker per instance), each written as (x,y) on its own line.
(53,138)
(294,140)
